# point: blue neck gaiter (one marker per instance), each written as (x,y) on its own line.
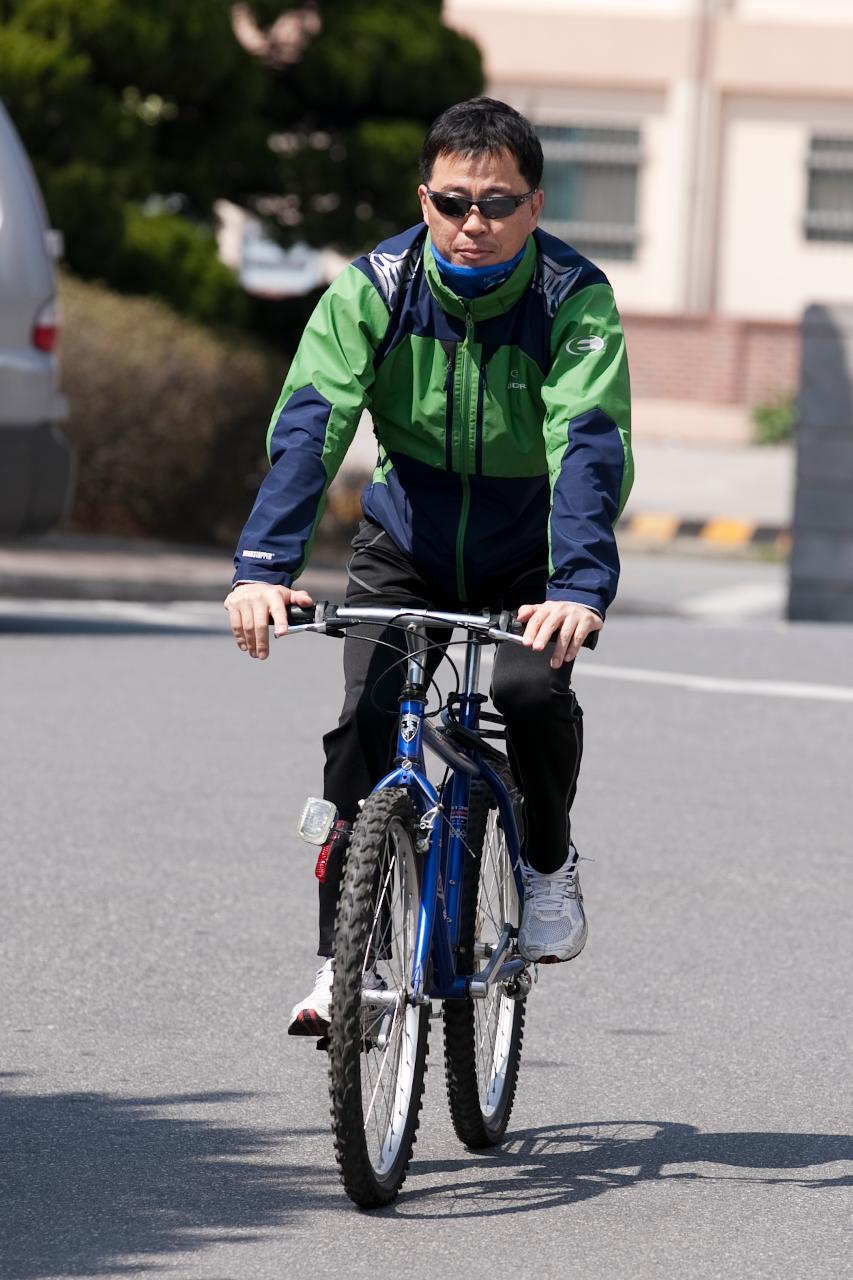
(471,282)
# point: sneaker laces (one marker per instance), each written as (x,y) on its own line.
(548,891)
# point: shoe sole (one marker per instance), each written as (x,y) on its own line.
(550,959)
(308,1023)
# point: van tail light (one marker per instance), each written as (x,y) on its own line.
(46,327)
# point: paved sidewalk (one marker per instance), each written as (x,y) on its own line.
(700,482)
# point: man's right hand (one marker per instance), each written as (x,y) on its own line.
(251,605)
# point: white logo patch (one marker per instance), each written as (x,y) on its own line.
(257,555)
(583,346)
(408,726)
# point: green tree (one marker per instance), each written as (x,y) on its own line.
(117,102)
(320,128)
(349,115)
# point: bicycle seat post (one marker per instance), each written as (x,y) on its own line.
(472,666)
(416,640)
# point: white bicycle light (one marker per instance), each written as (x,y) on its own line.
(316,821)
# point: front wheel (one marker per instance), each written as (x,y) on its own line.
(482,1038)
(377,1038)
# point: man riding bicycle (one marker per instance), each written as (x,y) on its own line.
(491,358)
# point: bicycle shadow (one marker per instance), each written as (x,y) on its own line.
(93,1184)
(561,1165)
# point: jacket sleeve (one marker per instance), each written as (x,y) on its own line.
(326,389)
(588,446)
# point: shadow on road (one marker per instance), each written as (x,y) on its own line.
(93,1184)
(98,1185)
(568,1164)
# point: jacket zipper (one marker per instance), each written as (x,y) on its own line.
(464,433)
(449,379)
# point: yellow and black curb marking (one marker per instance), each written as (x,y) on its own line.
(721,532)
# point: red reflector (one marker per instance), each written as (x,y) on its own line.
(44,336)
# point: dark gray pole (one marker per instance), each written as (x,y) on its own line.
(821,586)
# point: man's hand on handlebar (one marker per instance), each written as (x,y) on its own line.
(251,605)
(566,623)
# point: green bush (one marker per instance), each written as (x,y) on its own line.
(775,420)
(168,418)
(165,255)
(81,199)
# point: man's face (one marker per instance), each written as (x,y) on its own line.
(475,241)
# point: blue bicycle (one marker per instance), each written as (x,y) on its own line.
(429,911)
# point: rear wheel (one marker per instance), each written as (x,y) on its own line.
(377,1038)
(482,1038)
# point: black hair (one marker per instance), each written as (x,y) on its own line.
(483,126)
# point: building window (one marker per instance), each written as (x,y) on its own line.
(829,213)
(590,184)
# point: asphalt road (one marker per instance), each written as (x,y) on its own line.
(684,1107)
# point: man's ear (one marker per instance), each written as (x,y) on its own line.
(536,204)
(423,197)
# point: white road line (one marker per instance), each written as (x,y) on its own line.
(589,666)
(718,684)
(743,600)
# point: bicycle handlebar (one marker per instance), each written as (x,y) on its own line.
(333,619)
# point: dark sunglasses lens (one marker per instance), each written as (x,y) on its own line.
(450,206)
(497,206)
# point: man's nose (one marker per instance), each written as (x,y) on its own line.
(474,223)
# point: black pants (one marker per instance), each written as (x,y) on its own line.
(543,719)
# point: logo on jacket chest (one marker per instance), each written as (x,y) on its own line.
(514,384)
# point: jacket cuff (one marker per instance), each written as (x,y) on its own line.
(275,577)
(571,595)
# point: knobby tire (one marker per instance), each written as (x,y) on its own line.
(483,1038)
(376,1088)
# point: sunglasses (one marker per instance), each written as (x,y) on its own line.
(489,207)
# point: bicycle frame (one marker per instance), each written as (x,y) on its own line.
(443,864)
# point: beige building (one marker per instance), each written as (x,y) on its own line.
(702,152)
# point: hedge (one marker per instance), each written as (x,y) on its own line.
(168,418)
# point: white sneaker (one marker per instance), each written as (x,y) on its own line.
(553,922)
(311,1016)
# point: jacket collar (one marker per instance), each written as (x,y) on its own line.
(489,304)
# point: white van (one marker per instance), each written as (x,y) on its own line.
(36,465)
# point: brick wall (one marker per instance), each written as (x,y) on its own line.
(715,359)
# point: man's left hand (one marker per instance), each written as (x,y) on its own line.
(559,620)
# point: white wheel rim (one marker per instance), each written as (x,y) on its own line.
(388,1069)
(494,1017)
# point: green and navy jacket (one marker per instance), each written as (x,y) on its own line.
(502,423)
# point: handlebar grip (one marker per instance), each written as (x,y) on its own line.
(300,617)
(508,622)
